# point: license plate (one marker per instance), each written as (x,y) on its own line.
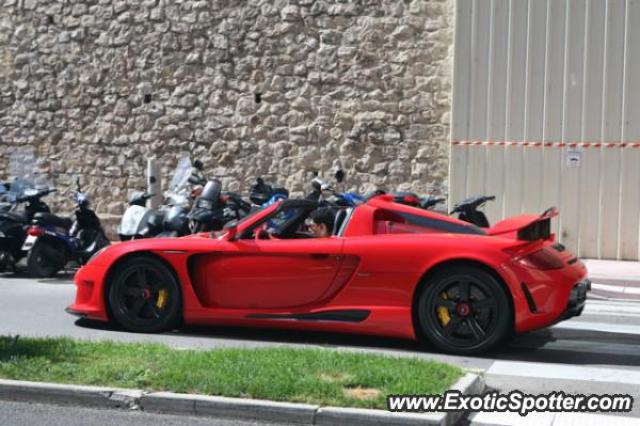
(29,242)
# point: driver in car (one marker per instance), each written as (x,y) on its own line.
(321,222)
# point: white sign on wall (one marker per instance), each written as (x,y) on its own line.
(573,158)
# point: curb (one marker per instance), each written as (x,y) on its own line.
(91,396)
(224,407)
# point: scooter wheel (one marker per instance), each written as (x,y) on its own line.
(45,260)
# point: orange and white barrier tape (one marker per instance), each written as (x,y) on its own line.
(550,144)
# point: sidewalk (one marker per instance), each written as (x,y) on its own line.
(614,279)
(613,269)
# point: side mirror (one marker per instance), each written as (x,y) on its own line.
(76,180)
(198,165)
(339,175)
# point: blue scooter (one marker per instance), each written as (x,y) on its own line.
(340,199)
(54,241)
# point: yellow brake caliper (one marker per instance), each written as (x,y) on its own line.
(162,298)
(443,312)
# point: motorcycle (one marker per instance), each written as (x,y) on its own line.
(170,219)
(53,241)
(263,194)
(213,209)
(14,223)
(412,199)
(467,210)
(340,199)
(207,213)
(5,204)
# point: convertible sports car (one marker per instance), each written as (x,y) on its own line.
(389,270)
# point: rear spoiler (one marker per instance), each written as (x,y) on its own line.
(527,227)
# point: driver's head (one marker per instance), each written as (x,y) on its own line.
(321,224)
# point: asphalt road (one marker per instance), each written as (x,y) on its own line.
(599,351)
(27,414)
(605,336)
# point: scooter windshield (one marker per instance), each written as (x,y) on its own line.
(19,188)
(180,176)
(25,176)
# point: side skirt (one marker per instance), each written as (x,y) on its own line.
(351,315)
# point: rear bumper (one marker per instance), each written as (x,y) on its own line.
(553,295)
(577,300)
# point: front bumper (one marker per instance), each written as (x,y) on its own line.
(89,300)
(577,299)
(72,311)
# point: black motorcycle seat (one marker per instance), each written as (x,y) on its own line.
(52,219)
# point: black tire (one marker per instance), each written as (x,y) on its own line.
(134,295)
(463,310)
(45,259)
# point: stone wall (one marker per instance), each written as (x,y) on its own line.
(258,87)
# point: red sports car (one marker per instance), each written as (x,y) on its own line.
(389,270)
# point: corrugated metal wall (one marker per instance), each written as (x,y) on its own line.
(552,90)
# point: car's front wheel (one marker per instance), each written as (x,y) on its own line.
(144,296)
(463,310)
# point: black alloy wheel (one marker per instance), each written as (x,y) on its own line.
(464,311)
(144,296)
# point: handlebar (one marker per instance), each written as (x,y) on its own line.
(238,202)
(428,202)
(197,180)
(472,203)
(38,194)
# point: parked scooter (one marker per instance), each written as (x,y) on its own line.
(213,209)
(412,199)
(54,241)
(134,221)
(170,219)
(326,194)
(207,212)
(467,210)
(235,208)
(263,194)
(23,201)
(5,204)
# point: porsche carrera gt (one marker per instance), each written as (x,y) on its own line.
(388,270)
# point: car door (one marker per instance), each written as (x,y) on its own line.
(270,273)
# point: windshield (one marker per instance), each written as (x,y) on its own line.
(180,175)
(24,175)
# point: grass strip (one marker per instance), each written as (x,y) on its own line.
(317,376)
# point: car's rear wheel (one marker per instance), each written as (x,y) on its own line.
(144,296)
(463,310)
